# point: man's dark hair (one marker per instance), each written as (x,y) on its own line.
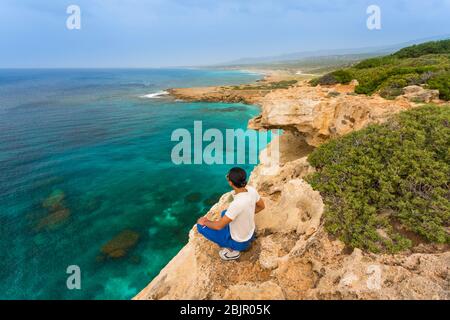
(238,177)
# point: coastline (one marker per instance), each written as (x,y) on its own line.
(293,257)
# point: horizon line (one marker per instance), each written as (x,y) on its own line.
(229,63)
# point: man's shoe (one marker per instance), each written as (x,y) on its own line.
(228,254)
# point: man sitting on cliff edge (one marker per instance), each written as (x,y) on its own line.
(235,231)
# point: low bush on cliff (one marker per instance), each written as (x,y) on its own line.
(441,82)
(432,47)
(425,64)
(338,76)
(388,185)
(283,84)
(393,87)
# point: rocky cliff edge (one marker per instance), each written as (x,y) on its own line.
(293,257)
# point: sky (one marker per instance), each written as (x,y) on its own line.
(162,33)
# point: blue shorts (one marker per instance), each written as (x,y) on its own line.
(223,237)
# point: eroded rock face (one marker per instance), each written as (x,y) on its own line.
(319,116)
(255,291)
(299,208)
(366,276)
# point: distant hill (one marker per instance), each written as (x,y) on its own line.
(301,56)
(425,64)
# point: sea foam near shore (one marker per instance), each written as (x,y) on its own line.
(155,95)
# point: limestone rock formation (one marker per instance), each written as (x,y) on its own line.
(312,112)
(419,94)
(218,94)
(364,276)
(251,291)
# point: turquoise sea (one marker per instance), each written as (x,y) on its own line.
(85,157)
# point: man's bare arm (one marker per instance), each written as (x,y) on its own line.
(215,225)
(259,205)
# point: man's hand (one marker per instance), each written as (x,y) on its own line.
(202,221)
(259,205)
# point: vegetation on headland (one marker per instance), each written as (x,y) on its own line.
(309,65)
(283,84)
(425,64)
(387,185)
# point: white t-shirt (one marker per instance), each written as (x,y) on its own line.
(242,212)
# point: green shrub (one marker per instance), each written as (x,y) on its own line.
(433,47)
(370,80)
(328,79)
(333,94)
(315,81)
(441,82)
(283,84)
(393,87)
(335,77)
(375,62)
(426,63)
(391,93)
(342,76)
(393,177)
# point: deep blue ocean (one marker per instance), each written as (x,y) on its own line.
(85,156)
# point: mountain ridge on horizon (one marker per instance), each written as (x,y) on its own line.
(298,56)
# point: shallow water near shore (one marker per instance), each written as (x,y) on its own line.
(84,158)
